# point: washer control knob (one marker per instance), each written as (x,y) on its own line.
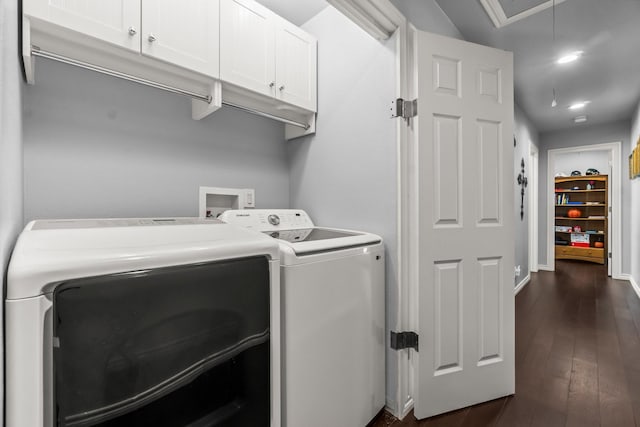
(273,219)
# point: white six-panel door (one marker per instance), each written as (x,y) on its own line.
(184,33)
(113,21)
(466,238)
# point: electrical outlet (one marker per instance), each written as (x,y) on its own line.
(517,270)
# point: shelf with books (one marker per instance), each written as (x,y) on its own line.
(581,218)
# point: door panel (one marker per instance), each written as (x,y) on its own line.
(184,33)
(447,170)
(466,240)
(296,63)
(489,171)
(448,319)
(107,20)
(490,309)
(247,46)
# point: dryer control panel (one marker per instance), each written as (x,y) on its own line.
(268,219)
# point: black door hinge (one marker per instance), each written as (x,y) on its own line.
(403,340)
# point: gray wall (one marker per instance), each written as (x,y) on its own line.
(10,150)
(580,136)
(526,135)
(97,146)
(634,192)
(345,175)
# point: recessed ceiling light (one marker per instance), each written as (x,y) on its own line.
(580,119)
(569,57)
(578,105)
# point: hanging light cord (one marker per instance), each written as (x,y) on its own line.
(553,45)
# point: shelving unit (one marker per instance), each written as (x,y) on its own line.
(578,237)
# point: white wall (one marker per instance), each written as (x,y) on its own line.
(526,135)
(634,193)
(97,146)
(10,150)
(580,136)
(345,175)
(569,162)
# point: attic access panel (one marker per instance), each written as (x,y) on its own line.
(505,12)
(514,7)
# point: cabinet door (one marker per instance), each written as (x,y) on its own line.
(183,33)
(247,56)
(296,66)
(113,21)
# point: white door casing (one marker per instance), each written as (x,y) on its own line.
(533,208)
(183,33)
(113,21)
(247,45)
(465,224)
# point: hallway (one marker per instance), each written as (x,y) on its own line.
(577,356)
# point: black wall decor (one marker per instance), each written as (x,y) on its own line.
(522,182)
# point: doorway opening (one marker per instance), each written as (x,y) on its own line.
(612,168)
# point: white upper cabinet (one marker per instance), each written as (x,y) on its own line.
(113,21)
(247,46)
(296,66)
(184,33)
(262,52)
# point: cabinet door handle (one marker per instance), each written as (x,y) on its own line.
(281,88)
(133,31)
(151,38)
(272,84)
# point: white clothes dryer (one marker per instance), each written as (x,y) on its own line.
(333,318)
(167,322)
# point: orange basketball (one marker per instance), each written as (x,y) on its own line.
(598,244)
(574,213)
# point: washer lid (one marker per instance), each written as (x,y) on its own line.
(318,239)
(295,229)
(48,252)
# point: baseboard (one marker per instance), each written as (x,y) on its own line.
(634,285)
(391,408)
(545,268)
(622,276)
(408,406)
(524,282)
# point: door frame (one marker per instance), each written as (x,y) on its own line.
(533,207)
(615,194)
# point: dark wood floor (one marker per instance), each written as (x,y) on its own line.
(577,356)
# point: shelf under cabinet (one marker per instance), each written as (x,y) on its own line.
(581,191)
(580,219)
(580,232)
(566,205)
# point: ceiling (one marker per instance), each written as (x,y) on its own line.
(295,11)
(607,75)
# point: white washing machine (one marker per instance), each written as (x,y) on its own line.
(333,318)
(169,322)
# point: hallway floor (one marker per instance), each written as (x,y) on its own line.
(577,356)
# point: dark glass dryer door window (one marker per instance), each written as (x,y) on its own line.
(177,346)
